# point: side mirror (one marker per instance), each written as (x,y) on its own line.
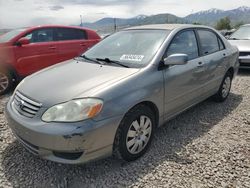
(176,59)
(22,41)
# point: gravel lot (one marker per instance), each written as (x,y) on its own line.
(207,146)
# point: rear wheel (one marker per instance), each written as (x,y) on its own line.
(135,133)
(6,81)
(225,88)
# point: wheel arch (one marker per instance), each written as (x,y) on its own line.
(152,106)
(11,70)
(231,71)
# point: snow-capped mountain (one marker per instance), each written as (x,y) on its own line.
(243,9)
(211,16)
(207,17)
(140,17)
(210,11)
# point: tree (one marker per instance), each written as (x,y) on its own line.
(223,23)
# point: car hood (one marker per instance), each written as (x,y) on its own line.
(71,79)
(243,45)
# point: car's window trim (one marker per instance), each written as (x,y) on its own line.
(220,41)
(218,38)
(179,32)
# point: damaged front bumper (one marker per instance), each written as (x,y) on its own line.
(70,143)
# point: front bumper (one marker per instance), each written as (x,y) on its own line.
(70,143)
(244,61)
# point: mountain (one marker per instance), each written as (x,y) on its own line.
(161,19)
(211,16)
(207,17)
(107,24)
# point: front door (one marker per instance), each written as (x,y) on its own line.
(183,82)
(40,53)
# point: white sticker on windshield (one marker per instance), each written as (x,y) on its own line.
(131,57)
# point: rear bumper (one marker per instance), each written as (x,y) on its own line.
(70,143)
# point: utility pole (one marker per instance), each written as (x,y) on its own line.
(81,20)
(115,26)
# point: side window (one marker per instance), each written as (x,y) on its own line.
(69,34)
(184,43)
(40,35)
(209,42)
(81,34)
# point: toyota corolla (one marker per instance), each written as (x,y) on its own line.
(111,99)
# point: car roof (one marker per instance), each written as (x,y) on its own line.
(167,26)
(59,26)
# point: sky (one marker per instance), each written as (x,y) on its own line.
(22,13)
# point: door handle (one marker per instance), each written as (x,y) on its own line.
(52,47)
(200,64)
(200,68)
(83,44)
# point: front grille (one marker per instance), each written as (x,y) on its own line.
(244,54)
(25,106)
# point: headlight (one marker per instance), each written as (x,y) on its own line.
(73,111)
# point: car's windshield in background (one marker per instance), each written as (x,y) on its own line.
(10,35)
(243,33)
(134,48)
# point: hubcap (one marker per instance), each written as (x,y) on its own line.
(226,87)
(4,82)
(139,134)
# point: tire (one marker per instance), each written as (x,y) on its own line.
(6,81)
(134,134)
(225,88)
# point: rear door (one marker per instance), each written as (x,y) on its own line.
(40,53)
(183,82)
(214,53)
(71,42)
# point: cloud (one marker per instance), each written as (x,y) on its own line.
(56,7)
(67,12)
(102,2)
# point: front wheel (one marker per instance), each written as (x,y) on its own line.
(135,133)
(6,81)
(225,88)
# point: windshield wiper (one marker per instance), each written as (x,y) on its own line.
(90,59)
(107,60)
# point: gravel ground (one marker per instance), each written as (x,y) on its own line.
(207,146)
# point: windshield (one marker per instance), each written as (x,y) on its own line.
(133,48)
(10,35)
(243,33)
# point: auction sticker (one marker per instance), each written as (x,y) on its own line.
(131,57)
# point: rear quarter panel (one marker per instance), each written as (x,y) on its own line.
(233,56)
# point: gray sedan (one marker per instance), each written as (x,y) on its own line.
(111,99)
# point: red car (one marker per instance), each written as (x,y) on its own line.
(25,51)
